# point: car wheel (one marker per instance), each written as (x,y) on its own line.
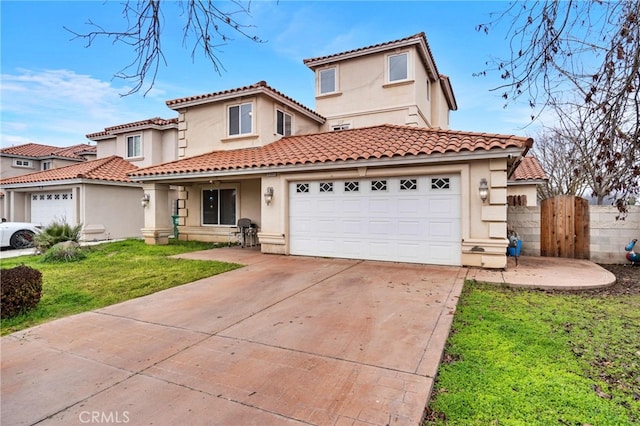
(22,239)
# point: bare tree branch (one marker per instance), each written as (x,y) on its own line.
(203,22)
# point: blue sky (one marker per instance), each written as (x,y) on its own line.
(55,90)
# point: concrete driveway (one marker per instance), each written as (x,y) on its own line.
(284,340)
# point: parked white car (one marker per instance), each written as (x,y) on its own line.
(17,235)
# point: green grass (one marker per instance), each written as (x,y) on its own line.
(519,357)
(111,273)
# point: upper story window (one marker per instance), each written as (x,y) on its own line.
(22,163)
(283,123)
(134,146)
(240,122)
(46,165)
(327,81)
(398,67)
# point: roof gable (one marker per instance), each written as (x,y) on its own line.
(260,87)
(378,142)
(112,169)
(149,123)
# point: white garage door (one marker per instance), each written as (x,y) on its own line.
(47,207)
(409,219)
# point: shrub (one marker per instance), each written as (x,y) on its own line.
(56,232)
(66,251)
(20,290)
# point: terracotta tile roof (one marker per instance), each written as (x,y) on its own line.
(385,141)
(259,87)
(155,122)
(112,169)
(34,150)
(529,169)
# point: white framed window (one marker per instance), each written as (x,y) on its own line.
(283,123)
(328,81)
(22,163)
(45,165)
(240,119)
(134,146)
(398,67)
(219,206)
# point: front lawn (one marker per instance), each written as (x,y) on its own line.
(111,273)
(524,357)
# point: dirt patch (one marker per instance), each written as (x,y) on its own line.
(627,281)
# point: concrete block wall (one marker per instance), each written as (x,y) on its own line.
(608,236)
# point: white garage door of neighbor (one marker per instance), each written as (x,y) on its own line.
(47,207)
(407,219)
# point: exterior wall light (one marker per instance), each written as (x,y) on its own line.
(268,195)
(144,201)
(483,190)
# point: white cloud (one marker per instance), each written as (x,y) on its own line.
(59,107)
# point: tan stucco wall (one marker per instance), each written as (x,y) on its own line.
(111,212)
(108,147)
(207,124)
(529,190)
(363,88)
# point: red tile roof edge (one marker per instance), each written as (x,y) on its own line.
(110,169)
(421,36)
(39,151)
(384,141)
(529,169)
(149,122)
(259,86)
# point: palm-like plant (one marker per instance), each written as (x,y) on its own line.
(56,232)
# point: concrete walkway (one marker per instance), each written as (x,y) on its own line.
(547,273)
(284,340)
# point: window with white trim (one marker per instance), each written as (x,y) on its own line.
(283,123)
(327,81)
(398,67)
(22,163)
(134,146)
(240,119)
(46,165)
(219,207)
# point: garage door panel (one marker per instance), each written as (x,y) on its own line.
(407,220)
(47,207)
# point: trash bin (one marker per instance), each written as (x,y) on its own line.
(176,221)
(514,250)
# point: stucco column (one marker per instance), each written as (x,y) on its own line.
(273,216)
(157,217)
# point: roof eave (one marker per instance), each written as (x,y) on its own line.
(448,157)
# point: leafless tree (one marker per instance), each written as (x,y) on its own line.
(206,27)
(583,59)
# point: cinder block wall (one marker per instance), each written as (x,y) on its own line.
(608,235)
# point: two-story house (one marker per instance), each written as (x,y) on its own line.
(96,193)
(372,173)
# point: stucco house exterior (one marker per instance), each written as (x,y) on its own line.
(96,193)
(374,172)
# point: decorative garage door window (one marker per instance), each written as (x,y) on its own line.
(326,186)
(440,183)
(351,186)
(58,196)
(302,188)
(379,185)
(408,184)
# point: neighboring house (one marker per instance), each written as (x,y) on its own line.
(373,173)
(97,194)
(28,158)
(522,187)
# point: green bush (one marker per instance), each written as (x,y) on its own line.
(67,251)
(56,232)
(20,290)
